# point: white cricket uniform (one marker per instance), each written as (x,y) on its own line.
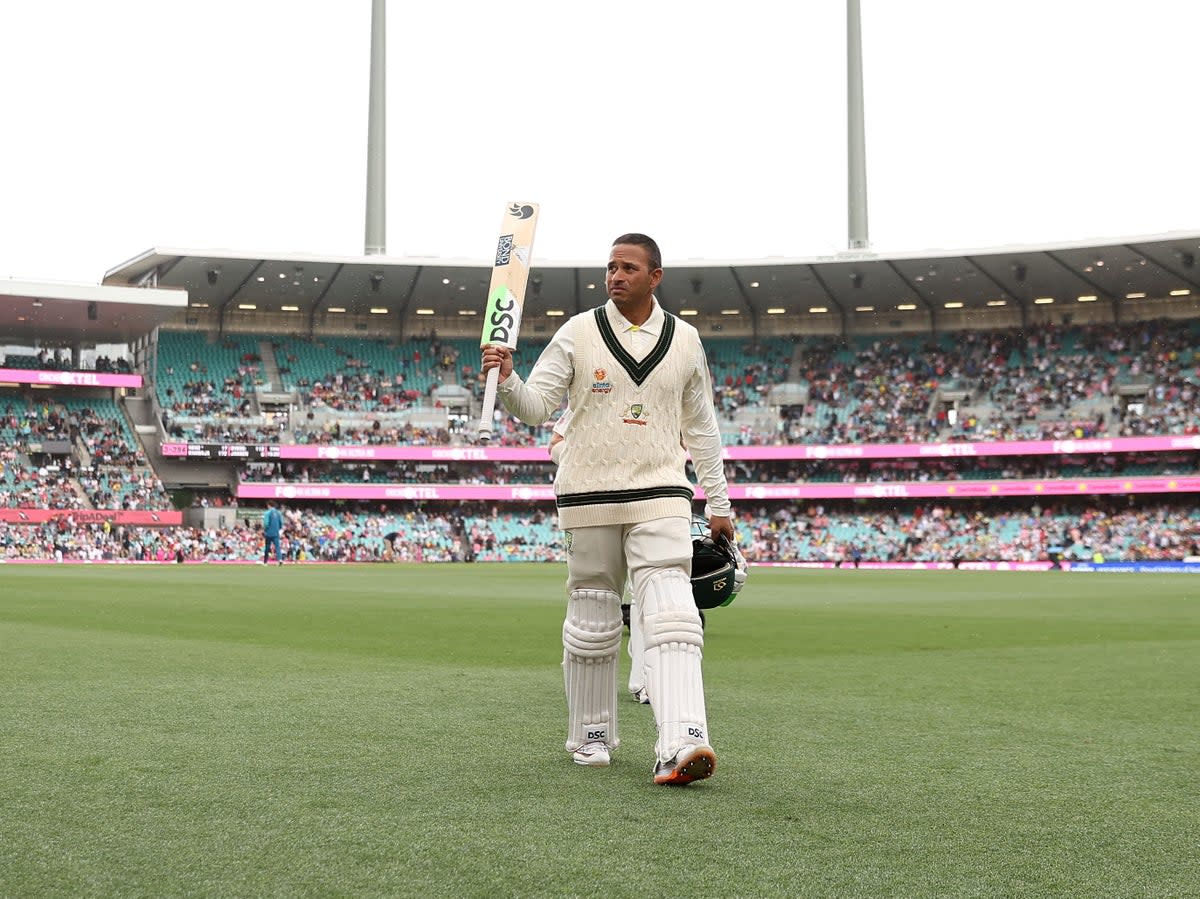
(637,674)
(626,505)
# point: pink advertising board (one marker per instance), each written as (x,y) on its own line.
(148,518)
(792,451)
(68,378)
(947,490)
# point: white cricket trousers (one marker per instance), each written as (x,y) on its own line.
(599,558)
(657,557)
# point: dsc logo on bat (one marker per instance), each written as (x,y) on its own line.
(502,319)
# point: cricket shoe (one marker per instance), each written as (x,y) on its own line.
(594,755)
(690,763)
(642,695)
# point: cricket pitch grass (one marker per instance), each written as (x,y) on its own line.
(397,730)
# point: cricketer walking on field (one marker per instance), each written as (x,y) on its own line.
(636,378)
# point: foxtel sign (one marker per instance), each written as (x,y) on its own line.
(68,378)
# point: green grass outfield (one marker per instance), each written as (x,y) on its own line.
(397,731)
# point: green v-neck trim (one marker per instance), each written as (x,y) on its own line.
(638,371)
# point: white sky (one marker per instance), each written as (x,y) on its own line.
(719,128)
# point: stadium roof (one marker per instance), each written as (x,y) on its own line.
(32,312)
(848,284)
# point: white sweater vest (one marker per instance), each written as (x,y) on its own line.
(622,461)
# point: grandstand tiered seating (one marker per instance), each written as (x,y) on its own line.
(1056,383)
(121,487)
(104,430)
(113,472)
(402,373)
(197,377)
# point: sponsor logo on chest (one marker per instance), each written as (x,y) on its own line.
(600,382)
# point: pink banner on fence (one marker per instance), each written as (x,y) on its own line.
(92,516)
(948,490)
(834,452)
(512,492)
(968,489)
(852,451)
(69,378)
(418,453)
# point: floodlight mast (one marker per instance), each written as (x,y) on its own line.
(856,141)
(375,243)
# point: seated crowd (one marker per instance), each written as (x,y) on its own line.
(964,532)
(61,360)
(1051,383)
(747,472)
(450,535)
(222,431)
(1054,382)
(823,533)
(97,424)
(67,453)
(201,397)
(29,486)
(364,375)
(377,434)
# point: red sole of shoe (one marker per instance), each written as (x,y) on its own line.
(697,766)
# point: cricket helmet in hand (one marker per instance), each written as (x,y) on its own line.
(715,569)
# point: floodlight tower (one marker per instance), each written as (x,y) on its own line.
(375,243)
(856,140)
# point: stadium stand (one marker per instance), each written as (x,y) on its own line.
(362,375)
(71,452)
(199,377)
(768,533)
(1060,383)
(83,451)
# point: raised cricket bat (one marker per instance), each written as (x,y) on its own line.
(506,295)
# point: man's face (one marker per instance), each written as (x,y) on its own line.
(630,281)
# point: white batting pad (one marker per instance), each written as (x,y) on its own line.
(637,651)
(591,644)
(674,647)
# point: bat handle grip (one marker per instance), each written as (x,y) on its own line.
(489,405)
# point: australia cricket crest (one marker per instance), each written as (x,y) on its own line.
(635,414)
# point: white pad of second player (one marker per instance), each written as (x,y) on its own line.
(591,644)
(674,648)
(637,654)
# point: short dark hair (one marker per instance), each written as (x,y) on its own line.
(641,240)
